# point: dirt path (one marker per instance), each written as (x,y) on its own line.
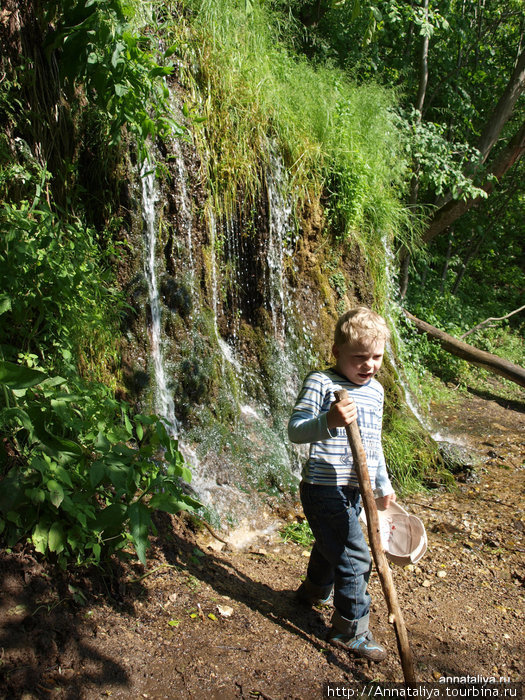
(224,624)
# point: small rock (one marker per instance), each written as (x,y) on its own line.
(225,610)
(461,461)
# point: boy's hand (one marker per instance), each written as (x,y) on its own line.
(341,414)
(384,501)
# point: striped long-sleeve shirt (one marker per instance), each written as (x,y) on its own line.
(330,462)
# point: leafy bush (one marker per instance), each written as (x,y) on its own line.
(56,300)
(80,476)
(99,46)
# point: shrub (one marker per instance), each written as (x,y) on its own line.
(81,476)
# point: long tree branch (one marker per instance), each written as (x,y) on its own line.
(487,360)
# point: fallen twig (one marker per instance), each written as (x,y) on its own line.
(148,573)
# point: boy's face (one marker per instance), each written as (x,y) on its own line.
(360,361)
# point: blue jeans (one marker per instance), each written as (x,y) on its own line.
(340,557)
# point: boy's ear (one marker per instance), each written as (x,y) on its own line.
(335,351)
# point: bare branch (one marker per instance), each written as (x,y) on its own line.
(488,320)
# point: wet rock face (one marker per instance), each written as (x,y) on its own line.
(461,461)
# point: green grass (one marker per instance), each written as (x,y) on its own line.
(338,139)
(299,533)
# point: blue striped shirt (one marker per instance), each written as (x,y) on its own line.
(330,462)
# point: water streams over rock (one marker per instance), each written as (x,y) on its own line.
(207,276)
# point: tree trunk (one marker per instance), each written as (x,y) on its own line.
(452,211)
(503,109)
(447,262)
(493,363)
(414,184)
(423,68)
(472,251)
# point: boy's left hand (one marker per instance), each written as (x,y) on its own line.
(384,501)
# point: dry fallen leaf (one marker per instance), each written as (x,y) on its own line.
(225,610)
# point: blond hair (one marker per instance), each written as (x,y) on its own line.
(360,324)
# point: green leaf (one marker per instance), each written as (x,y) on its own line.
(5,303)
(54,444)
(166,503)
(56,538)
(170,51)
(39,537)
(127,424)
(35,495)
(102,444)
(51,382)
(110,519)
(14,517)
(173,504)
(140,520)
(63,475)
(119,474)
(97,473)
(19,377)
(56,492)
(160,70)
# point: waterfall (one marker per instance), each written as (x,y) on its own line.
(280,210)
(183,200)
(226,350)
(393,306)
(228,471)
(163,400)
(234,281)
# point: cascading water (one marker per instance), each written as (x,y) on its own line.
(280,209)
(185,215)
(163,400)
(226,350)
(256,449)
(205,488)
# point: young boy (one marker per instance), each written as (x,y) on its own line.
(329,489)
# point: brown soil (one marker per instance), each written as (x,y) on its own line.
(203,623)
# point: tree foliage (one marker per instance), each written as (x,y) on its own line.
(458,69)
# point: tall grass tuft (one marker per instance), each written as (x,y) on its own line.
(338,139)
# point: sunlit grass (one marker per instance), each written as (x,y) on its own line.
(338,139)
(298,532)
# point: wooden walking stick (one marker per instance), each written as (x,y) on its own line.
(395,616)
